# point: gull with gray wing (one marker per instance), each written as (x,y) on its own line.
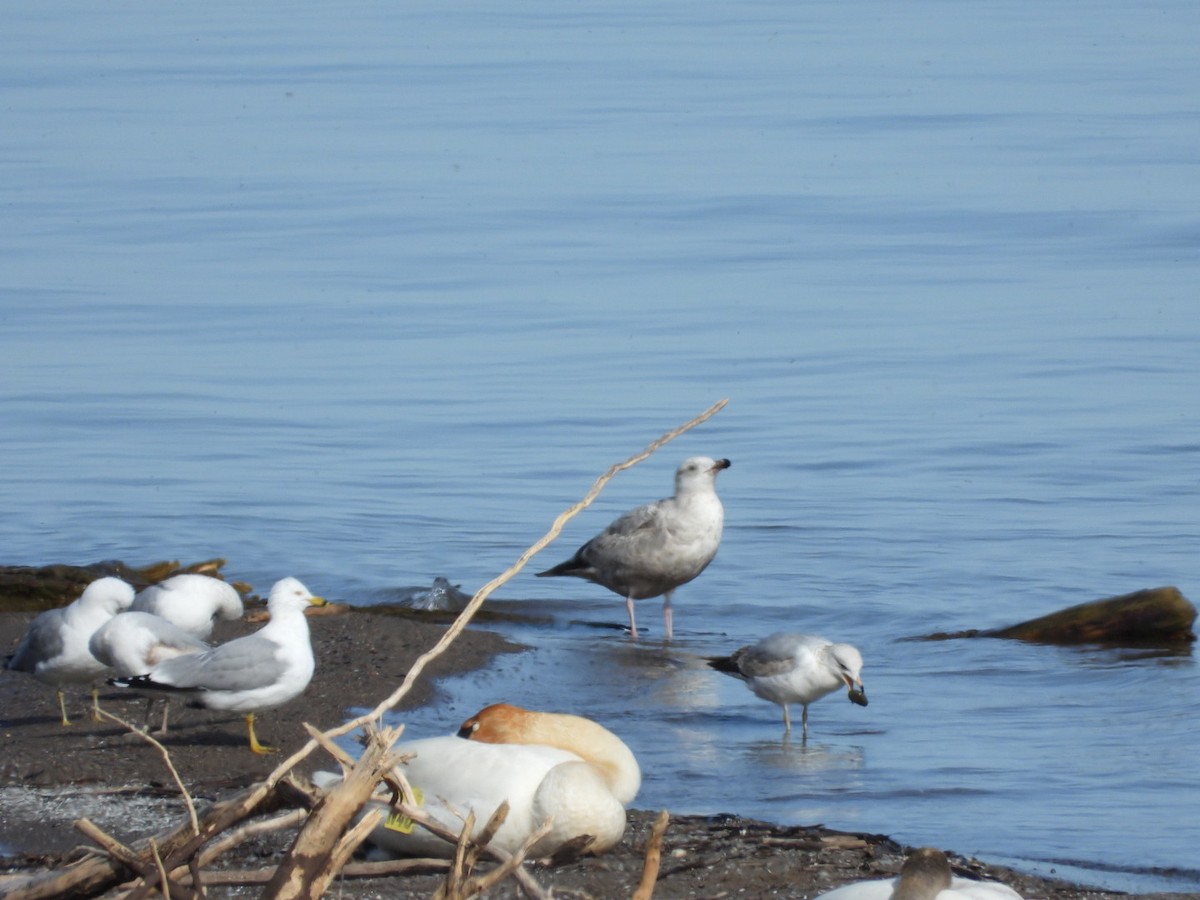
(55,646)
(653,549)
(787,668)
(248,674)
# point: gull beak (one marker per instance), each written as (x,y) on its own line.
(317,601)
(719,465)
(857,695)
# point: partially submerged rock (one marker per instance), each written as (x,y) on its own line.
(1155,616)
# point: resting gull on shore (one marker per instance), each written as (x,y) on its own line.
(925,875)
(55,646)
(788,668)
(655,548)
(191,601)
(248,674)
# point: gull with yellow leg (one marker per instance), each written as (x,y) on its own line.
(249,674)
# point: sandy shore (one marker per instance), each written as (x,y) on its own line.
(50,776)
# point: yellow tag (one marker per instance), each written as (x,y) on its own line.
(397,821)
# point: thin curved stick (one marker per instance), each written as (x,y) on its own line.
(468,612)
(187,798)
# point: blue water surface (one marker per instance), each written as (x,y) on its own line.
(368,295)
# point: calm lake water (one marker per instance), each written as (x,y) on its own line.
(368,295)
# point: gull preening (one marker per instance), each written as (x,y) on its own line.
(655,548)
(546,766)
(925,875)
(133,643)
(248,674)
(193,602)
(55,646)
(788,668)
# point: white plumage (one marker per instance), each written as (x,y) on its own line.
(545,765)
(192,602)
(787,668)
(133,643)
(248,674)
(55,646)
(925,875)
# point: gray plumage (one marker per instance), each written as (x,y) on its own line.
(55,650)
(653,549)
(787,667)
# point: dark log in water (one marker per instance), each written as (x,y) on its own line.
(1155,616)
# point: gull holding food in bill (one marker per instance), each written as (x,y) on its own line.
(55,646)
(655,548)
(788,668)
(248,674)
(193,602)
(925,875)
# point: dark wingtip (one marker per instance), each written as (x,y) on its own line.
(723,664)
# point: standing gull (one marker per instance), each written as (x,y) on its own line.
(653,549)
(193,602)
(925,875)
(790,668)
(55,647)
(252,673)
(135,642)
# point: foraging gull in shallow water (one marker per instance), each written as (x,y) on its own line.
(55,646)
(655,548)
(787,668)
(248,674)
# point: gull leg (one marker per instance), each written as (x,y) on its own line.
(62,706)
(255,746)
(96,717)
(804,721)
(166,711)
(667,615)
(787,720)
(632,621)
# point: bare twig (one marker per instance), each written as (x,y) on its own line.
(179,845)
(653,858)
(379,869)
(144,868)
(232,838)
(187,797)
(472,607)
(162,872)
(480,884)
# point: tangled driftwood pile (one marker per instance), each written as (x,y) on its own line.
(178,863)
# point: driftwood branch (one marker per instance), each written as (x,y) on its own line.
(650,867)
(308,868)
(323,845)
(187,797)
